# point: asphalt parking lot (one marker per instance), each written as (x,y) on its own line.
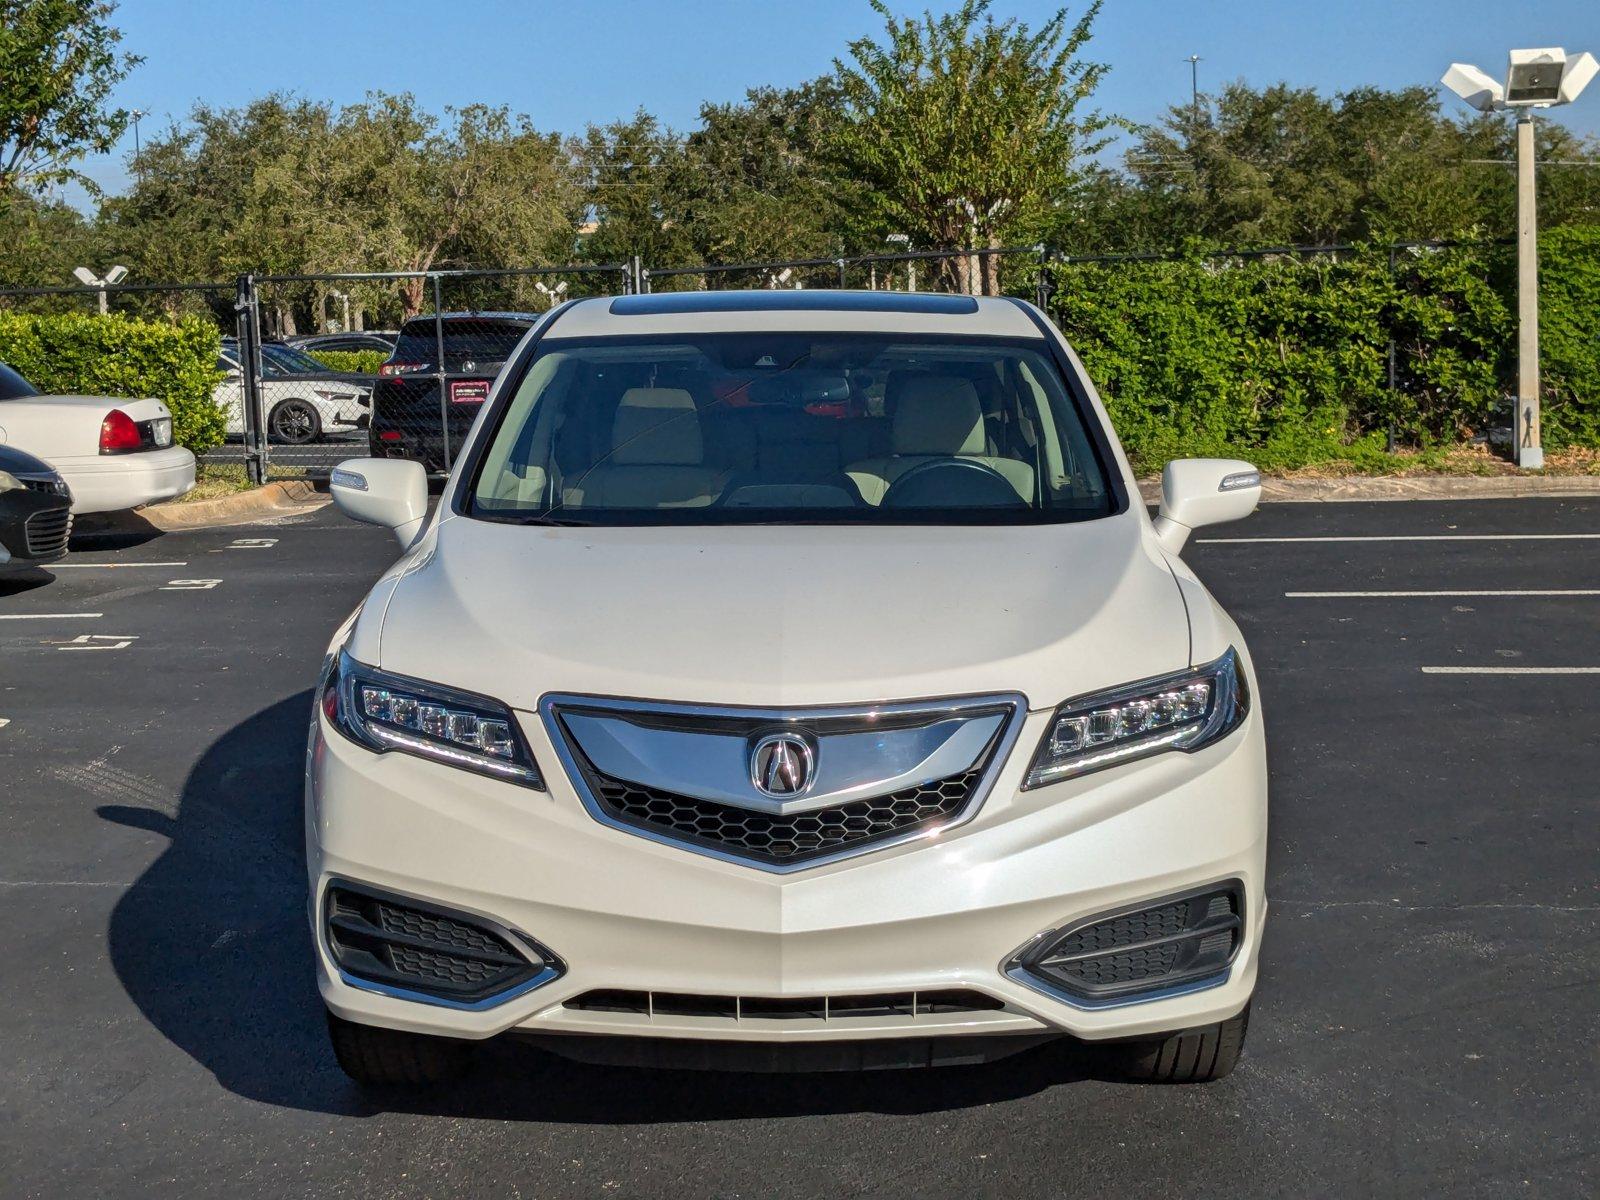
(1429,1004)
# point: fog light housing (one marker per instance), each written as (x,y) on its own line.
(1181,943)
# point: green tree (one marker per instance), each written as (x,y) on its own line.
(1259,166)
(292,186)
(633,179)
(58,64)
(758,181)
(965,129)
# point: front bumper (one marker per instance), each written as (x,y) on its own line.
(623,912)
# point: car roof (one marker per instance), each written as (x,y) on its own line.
(428,318)
(812,311)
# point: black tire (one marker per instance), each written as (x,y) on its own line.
(376,1057)
(294,423)
(1196,1055)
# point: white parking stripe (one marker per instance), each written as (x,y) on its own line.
(1408,537)
(46,616)
(1403,595)
(1511,670)
(110,566)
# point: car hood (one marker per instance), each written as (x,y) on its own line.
(783,615)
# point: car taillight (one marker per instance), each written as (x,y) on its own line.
(395,368)
(118,433)
(389,435)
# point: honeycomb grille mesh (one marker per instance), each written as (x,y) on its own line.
(439,930)
(382,940)
(771,838)
(1181,940)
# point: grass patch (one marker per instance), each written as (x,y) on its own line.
(212,481)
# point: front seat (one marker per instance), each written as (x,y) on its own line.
(657,457)
(935,417)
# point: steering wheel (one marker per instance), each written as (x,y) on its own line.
(952,483)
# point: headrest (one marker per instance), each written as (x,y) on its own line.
(656,426)
(938,414)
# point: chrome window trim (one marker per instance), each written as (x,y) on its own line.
(551,703)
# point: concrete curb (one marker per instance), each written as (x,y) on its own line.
(1411,487)
(272,500)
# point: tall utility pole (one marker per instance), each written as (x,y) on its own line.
(1539,78)
(1526,446)
(1194,88)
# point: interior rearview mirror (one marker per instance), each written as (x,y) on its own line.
(392,492)
(1204,491)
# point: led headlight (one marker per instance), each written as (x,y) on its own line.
(1174,712)
(390,712)
(9,482)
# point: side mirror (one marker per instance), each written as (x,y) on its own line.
(1204,491)
(392,492)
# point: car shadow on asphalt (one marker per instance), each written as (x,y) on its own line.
(212,945)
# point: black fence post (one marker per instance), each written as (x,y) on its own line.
(1041,286)
(247,313)
(444,387)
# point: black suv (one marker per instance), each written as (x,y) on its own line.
(409,417)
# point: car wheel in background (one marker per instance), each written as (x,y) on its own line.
(294,422)
(377,1057)
(1196,1055)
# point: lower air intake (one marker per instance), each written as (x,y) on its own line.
(400,943)
(1123,956)
(933,1002)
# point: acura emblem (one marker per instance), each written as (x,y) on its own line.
(781,765)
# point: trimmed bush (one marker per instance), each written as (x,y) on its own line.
(1286,361)
(356,362)
(74,354)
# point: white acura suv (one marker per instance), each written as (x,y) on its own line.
(788,680)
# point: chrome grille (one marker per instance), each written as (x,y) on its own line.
(47,533)
(764,837)
(688,774)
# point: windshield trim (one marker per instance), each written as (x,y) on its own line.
(470,465)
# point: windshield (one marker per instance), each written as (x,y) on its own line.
(812,428)
(14,386)
(278,359)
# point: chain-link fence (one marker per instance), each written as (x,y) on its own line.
(314,369)
(391,364)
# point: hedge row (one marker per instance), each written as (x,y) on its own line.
(73,354)
(356,362)
(1287,361)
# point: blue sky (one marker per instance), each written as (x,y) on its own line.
(568,64)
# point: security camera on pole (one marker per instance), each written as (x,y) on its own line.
(1534,79)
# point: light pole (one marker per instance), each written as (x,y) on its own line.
(1534,79)
(89,279)
(904,240)
(552,295)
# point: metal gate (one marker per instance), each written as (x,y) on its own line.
(399,370)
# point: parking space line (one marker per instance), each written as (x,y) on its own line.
(1407,537)
(1470,592)
(1511,670)
(46,616)
(111,566)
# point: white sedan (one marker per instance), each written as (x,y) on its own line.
(114,454)
(301,399)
